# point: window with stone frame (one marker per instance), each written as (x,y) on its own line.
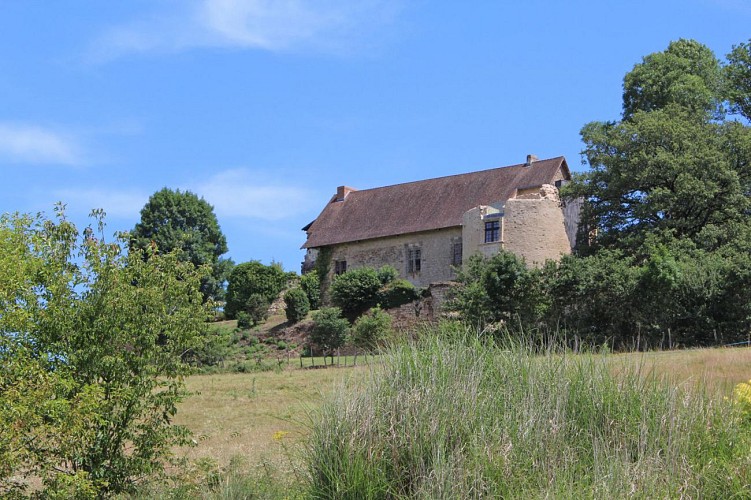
(340,267)
(456,253)
(492,231)
(414,260)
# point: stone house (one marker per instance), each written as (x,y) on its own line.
(425,229)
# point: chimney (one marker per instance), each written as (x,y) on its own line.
(342,192)
(530,160)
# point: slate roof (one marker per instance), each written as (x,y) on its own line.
(423,205)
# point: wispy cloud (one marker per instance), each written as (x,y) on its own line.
(240,193)
(30,144)
(275,25)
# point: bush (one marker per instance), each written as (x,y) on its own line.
(329,329)
(243,320)
(297,305)
(257,308)
(397,293)
(387,274)
(500,289)
(371,330)
(311,285)
(253,278)
(355,291)
(451,416)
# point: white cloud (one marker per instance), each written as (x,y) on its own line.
(20,143)
(276,25)
(116,203)
(240,193)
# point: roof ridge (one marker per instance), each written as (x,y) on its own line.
(455,175)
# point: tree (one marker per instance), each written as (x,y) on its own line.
(297,305)
(371,330)
(738,79)
(92,340)
(181,221)
(253,278)
(329,329)
(499,289)
(673,165)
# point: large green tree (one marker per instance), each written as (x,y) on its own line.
(92,340)
(674,164)
(181,221)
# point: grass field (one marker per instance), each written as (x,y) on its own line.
(261,416)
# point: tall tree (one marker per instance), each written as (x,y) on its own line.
(181,221)
(738,78)
(673,165)
(91,358)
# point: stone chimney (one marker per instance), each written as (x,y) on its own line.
(342,192)
(530,160)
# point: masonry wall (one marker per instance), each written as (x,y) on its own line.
(534,226)
(435,248)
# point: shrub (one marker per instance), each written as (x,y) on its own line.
(243,320)
(297,305)
(257,308)
(329,329)
(451,416)
(397,293)
(253,278)
(311,285)
(355,291)
(387,274)
(499,289)
(371,330)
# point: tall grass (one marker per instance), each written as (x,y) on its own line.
(453,416)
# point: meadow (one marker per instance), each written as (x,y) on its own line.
(269,427)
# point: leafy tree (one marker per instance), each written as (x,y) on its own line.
(672,166)
(738,78)
(297,305)
(371,330)
(355,291)
(329,329)
(499,289)
(91,356)
(253,278)
(311,285)
(181,221)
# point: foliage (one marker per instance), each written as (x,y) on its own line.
(742,400)
(371,330)
(673,167)
(311,285)
(355,291)
(243,320)
(253,278)
(91,360)
(396,293)
(738,77)
(257,307)
(451,416)
(329,329)
(297,305)
(499,289)
(387,274)
(181,221)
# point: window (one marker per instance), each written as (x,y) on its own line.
(413,260)
(340,266)
(492,230)
(456,253)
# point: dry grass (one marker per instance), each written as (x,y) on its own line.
(719,368)
(239,414)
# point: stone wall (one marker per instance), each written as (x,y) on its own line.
(436,253)
(534,227)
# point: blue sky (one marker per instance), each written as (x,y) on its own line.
(264,107)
